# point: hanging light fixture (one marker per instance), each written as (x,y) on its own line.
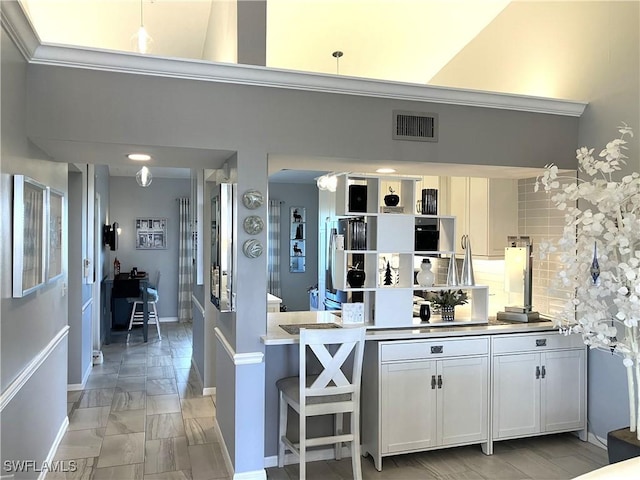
(327,182)
(337,54)
(144,177)
(141,41)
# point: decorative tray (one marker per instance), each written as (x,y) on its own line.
(294,329)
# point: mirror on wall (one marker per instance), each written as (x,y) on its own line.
(222,257)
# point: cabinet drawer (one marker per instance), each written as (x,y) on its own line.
(539,342)
(392,351)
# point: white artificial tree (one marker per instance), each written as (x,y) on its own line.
(599,254)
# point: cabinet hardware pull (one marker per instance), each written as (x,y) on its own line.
(544,371)
(433,382)
(537,372)
(541,342)
(437,349)
(439,381)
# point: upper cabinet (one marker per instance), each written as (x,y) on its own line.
(487,211)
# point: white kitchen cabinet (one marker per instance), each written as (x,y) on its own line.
(487,211)
(539,385)
(421,395)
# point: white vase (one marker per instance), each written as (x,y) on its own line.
(425,276)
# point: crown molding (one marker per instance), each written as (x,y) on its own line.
(18,25)
(19,28)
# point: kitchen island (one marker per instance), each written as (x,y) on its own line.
(429,387)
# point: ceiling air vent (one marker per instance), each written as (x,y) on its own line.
(421,127)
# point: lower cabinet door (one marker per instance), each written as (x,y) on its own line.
(563,390)
(408,403)
(462,403)
(516,395)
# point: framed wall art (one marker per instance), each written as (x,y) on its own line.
(29,235)
(297,237)
(151,233)
(54,257)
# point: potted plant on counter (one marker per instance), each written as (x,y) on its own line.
(447,301)
(599,258)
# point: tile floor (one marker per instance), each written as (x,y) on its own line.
(142,415)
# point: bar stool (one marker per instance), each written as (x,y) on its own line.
(137,314)
(335,390)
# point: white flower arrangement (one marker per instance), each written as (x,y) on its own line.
(599,254)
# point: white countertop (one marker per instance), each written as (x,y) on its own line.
(277,336)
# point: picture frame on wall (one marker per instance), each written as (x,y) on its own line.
(56,218)
(30,218)
(151,233)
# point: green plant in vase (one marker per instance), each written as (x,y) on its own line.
(447,301)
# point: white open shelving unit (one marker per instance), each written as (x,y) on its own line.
(392,235)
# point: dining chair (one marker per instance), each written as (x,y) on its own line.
(137,310)
(335,389)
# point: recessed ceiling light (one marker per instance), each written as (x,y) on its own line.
(139,157)
(386,170)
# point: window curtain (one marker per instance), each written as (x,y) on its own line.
(274,248)
(185,263)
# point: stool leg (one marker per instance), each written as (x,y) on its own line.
(282,429)
(133,314)
(155,314)
(337,430)
(303,445)
(355,445)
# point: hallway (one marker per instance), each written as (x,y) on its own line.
(142,415)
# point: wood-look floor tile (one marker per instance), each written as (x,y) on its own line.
(186,375)
(100,397)
(165,425)
(107,380)
(70,407)
(207,462)
(182,362)
(575,465)
(160,372)
(157,404)
(182,352)
(441,462)
(80,444)
(166,455)
(126,421)
(131,384)
(86,418)
(122,450)
(198,407)
(189,390)
(135,359)
(132,370)
(134,471)
(129,401)
(158,350)
(76,469)
(533,465)
(74,396)
(161,386)
(491,467)
(201,430)
(160,361)
(177,475)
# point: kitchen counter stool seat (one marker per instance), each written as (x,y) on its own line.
(335,390)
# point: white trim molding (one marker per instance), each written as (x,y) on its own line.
(253,475)
(15,386)
(71,387)
(198,305)
(16,23)
(248,358)
(87,304)
(54,447)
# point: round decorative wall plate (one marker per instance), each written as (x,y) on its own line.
(253,224)
(252,248)
(252,199)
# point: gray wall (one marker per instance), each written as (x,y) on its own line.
(129,201)
(294,285)
(35,416)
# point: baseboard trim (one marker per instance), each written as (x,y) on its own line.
(168,319)
(15,386)
(312,456)
(54,447)
(209,391)
(80,386)
(594,439)
(254,475)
